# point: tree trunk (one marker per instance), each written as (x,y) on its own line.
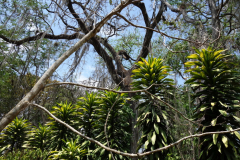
(135,130)
(133,120)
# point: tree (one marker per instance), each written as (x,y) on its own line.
(39,138)
(88,121)
(95,42)
(153,119)
(216,89)
(113,129)
(70,151)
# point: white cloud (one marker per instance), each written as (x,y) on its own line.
(81,78)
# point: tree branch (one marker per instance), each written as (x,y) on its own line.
(164,34)
(41,82)
(138,155)
(40,35)
(112,90)
(148,36)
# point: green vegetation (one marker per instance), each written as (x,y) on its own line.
(134,78)
(153,119)
(104,116)
(217,90)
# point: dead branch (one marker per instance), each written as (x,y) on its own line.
(138,155)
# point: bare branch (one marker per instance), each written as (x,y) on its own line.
(164,34)
(92,87)
(176,10)
(124,153)
(42,35)
(136,91)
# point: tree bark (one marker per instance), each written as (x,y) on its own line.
(215,19)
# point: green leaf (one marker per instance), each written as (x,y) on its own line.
(102,152)
(223,104)
(237,134)
(153,138)
(224,113)
(148,120)
(190,63)
(164,135)
(215,136)
(195,85)
(203,128)
(158,119)
(213,122)
(146,115)
(238,119)
(164,116)
(156,128)
(219,147)
(213,103)
(203,109)
(146,144)
(192,56)
(225,141)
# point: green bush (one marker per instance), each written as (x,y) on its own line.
(14,135)
(25,154)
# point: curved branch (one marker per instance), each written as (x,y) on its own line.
(75,15)
(142,7)
(138,155)
(148,36)
(112,90)
(180,10)
(42,35)
(164,34)
(120,69)
(97,45)
(176,10)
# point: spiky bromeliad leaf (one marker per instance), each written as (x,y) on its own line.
(153,119)
(218,102)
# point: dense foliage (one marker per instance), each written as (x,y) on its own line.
(217,90)
(14,135)
(104,116)
(153,119)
